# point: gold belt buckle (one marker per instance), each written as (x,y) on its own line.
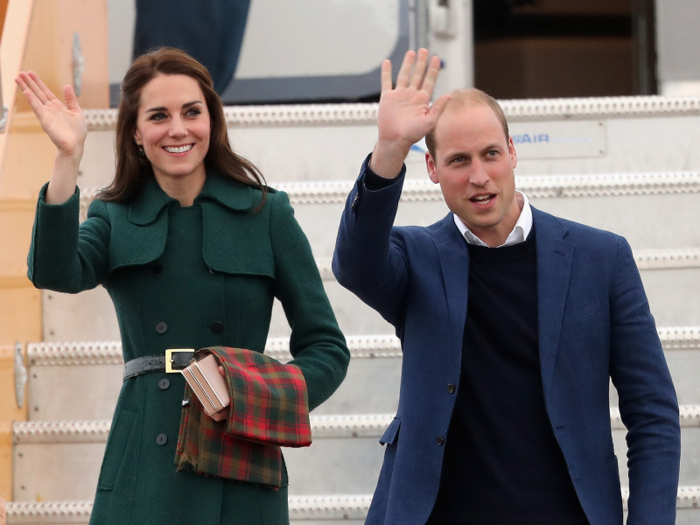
(169,358)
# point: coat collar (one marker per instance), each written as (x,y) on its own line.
(555,255)
(454,260)
(151,200)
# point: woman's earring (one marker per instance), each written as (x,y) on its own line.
(142,153)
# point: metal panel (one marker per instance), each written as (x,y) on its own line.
(41,471)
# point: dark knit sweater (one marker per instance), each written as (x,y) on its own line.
(502,464)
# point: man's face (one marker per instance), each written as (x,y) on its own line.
(474,166)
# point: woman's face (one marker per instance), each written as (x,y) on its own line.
(173,126)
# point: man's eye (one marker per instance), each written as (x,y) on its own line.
(493,153)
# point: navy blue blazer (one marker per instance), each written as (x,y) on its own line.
(594,324)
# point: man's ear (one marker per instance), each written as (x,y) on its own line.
(432,170)
(513,154)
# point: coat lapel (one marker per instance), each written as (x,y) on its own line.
(454,261)
(554,261)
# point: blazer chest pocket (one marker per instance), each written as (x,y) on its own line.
(582,311)
(391,433)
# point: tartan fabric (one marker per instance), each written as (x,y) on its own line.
(268,409)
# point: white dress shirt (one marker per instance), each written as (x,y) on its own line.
(520,231)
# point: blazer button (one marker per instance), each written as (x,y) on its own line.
(217,327)
(162,439)
(161,328)
(157,270)
(451,388)
(212,271)
(164,384)
(440,440)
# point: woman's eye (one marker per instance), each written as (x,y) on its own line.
(157,116)
(193,112)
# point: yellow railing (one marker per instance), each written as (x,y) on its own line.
(38,35)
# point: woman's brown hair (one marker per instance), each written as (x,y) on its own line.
(133,170)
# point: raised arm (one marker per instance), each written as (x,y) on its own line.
(65,125)
(405,115)
(370,258)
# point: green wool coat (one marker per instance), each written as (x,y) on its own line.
(188,277)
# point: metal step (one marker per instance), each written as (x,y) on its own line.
(635,205)
(372,384)
(321,510)
(90,316)
(329,141)
(344,446)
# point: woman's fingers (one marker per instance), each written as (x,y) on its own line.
(46,91)
(71,98)
(34,87)
(35,104)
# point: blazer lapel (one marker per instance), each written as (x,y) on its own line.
(554,261)
(454,261)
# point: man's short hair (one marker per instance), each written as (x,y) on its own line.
(462,98)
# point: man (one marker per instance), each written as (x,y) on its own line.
(512,322)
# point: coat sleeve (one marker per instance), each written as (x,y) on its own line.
(65,256)
(370,258)
(648,404)
(316,343)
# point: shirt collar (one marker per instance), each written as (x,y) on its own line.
(520,231)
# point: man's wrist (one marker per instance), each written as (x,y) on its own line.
(388,158)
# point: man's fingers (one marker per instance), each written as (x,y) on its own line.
(405,71)
(386,76)
(438,107)
(431,75)
(419,70)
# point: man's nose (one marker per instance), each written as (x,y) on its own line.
(478,175)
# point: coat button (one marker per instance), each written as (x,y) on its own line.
(157,270)
(164,384)
(161,328)
(451,388)
(440,440)
(162,439)
(217,327)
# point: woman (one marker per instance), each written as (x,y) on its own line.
(192,248)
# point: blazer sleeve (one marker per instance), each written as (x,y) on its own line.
(370,257)
(316,342)
(648,404)
(66,256)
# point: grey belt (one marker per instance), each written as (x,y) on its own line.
(174,360)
